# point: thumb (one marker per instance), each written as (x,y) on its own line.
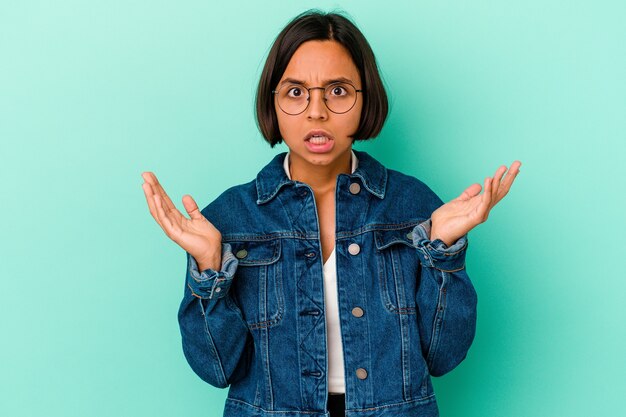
(191,207)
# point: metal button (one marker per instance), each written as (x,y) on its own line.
(361,373)
(410,235)
(241,254)
(354,249)
(310,254)
(357,312)
(355,188)
(218,289)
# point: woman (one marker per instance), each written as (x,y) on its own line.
(329,283)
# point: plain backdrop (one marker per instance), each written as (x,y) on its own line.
(93,93)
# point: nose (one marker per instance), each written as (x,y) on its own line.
(317,107)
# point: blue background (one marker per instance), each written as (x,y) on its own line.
(93,93)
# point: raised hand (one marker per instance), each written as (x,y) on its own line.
(196,234)
(459,216)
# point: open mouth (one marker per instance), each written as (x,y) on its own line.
(318,140)
(319,143)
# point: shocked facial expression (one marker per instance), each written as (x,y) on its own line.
(317,135)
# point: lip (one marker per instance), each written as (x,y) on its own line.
(319,148)
(318,132)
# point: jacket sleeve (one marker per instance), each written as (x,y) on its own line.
(215,337)
(446,300)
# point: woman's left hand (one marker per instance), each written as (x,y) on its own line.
(459,216)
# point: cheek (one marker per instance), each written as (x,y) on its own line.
(355,115)
(280,118)
(286,125)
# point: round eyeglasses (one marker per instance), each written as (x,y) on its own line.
(339,97)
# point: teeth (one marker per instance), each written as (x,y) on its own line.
(318,139)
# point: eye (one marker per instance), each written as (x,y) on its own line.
(294,92)
(338,90)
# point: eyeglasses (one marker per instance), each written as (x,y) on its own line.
(339,97)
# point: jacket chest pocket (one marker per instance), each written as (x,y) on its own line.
(257,285)
(398,269)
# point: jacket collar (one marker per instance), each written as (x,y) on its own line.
(272,177)
(354,160)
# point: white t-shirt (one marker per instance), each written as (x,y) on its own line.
(336,377)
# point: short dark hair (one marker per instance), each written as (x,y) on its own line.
(318,25)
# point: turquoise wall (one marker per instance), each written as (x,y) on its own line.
(93,93)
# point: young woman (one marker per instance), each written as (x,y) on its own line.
(329,283)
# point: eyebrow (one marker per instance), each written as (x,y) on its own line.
(325,82)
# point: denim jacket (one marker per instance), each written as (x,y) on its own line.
(407,307)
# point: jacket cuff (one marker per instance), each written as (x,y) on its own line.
(209,284)
(436,254)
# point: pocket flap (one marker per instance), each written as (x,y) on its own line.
(386,238)
(256,252)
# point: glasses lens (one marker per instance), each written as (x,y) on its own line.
(293,98)
(340,97)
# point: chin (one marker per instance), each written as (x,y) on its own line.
(320,159)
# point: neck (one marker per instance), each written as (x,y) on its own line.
(321,178)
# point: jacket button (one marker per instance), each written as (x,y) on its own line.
(354,249)
(410,235)
(361,373)
(241,254)
(357,312)
(355,188)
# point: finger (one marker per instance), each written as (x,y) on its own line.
(151,185)
(159,189)
(191,207)
(165,221)
(164,196)
(149,193)
(497,177)
(485,201)
(470,192)
(172,213)
(508,180)
(513,171)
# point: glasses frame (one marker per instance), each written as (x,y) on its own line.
(274,92)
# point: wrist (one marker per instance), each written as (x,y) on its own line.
(211,260)
(436,234)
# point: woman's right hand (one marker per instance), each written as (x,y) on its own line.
(196,235)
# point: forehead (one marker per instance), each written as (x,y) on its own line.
(319,61)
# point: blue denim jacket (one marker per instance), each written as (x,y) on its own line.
(258,324)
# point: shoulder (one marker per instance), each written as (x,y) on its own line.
(410,194)
(235,194)
(248,208)
(229,206)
